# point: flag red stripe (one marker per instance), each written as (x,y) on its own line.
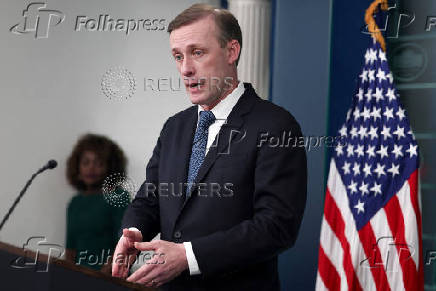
(372,252)
(396,224)
(334,218)
(343,269)
(328,272)
(413,182)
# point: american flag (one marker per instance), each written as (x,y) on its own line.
(371,229)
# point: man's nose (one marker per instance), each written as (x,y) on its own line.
(187,69)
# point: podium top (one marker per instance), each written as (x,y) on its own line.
(32,262)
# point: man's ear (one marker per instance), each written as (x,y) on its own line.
(233,49)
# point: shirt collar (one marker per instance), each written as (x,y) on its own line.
(225,106)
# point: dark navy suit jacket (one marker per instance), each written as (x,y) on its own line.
(248,201)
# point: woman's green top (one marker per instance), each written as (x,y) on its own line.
(92,229)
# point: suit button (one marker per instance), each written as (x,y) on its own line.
(177,234)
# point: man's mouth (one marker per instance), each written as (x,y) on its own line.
(196,84)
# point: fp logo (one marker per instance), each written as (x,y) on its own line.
(390,255)
(36,244)
(395,19)
(38,20)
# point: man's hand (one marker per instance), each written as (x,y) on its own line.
(169,261)
(125,253)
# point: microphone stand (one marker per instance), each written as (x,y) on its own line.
(50,165)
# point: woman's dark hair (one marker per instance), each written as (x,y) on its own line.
(105,149)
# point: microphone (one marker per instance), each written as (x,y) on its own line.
(50,165)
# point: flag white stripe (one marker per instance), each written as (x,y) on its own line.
(319,283)
(338,193)
(388,250)
(410,221)
(419,194)
(333,250)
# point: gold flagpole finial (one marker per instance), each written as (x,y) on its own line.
(372,26)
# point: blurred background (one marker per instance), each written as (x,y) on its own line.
(64,73)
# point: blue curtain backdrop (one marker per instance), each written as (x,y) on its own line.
(317,52)
(300,69)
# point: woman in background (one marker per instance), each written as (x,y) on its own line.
(92,222)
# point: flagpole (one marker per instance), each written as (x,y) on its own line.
(372,25)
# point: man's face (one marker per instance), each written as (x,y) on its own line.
(201,61)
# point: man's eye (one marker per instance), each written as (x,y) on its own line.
(178,57)
(198,52)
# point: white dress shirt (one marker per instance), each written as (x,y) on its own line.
(221,112)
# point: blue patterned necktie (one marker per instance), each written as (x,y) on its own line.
(199,146)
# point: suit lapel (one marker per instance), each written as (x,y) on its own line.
(229,131)
(185,152)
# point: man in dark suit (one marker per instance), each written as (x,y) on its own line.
(226,184)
